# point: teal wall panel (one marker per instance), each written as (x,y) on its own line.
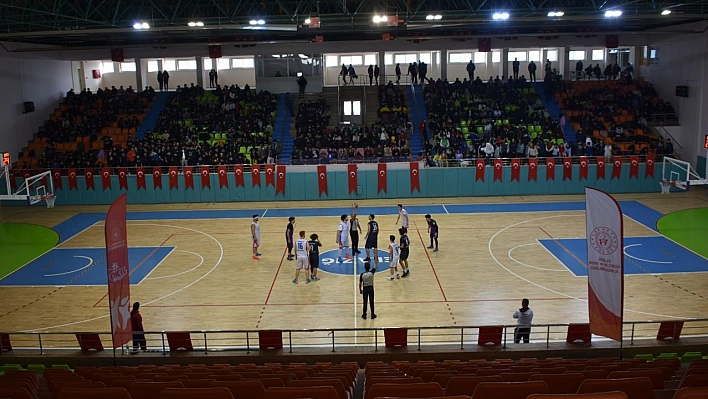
(542,186)
(178,194)
(700,166)
(434,181)
(465,181)
(251,190)
(193,194)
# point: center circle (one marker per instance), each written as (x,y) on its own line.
(330,264)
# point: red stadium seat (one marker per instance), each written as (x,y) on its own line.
(509,390)
(635,388)
(196,393)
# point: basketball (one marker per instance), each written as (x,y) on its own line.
(356,205)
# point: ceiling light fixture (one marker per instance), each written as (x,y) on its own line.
(432,17)
(556,13)
(666,12)
(200,24)
(500,16)
(260,22)
(252,22)
(378,19)
(141,25)
(307,21)
(613,13)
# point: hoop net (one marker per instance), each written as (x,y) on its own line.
(49,198)
(667,184)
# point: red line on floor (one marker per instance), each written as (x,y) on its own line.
(564,248)
(430,261)
(276,276)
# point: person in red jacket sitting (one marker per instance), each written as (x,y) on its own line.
(136,320)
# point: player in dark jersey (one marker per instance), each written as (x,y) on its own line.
(372,241)
(314,245)
(404,245)
(433,231)
(289,230)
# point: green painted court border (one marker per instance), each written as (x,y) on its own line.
(20,243)
(688,227)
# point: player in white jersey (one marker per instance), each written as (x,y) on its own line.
(256,236)
(403,217)
(343,238)
(303,259)
(394,253)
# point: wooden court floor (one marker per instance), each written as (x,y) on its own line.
(487,262)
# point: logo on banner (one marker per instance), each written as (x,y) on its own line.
(604,240)
(329,264)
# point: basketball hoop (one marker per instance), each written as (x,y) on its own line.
(666,186)
(49,198)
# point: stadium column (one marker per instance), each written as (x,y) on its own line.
(564,57)
(381,56)
(489,71)
(200,71)
(443,64)
(140,75)
(505,61)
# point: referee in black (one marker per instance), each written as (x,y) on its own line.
(354,230)
(366,287)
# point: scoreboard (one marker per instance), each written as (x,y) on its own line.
(705,142)
(6,158)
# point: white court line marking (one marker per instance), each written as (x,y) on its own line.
(172,249)
(533,267)
(201,261)
(73,271)
(355,260)
(489,249)
(218,262)
(264,213)
(643,260)
(445,210)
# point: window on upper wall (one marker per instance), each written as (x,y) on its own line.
(187,65)
(346,60)
(519,55)
(480,58)
(153,66)
(107,67)
(242,63)
(496,56)
(534,55)
(388,59)
(169,65)
(357,60)
(460,58)
(598,55)
(127,67)
(223,63)
(331,61)
(370,59)
(352,108)
(425,57)
(552,55)
(576,55)
(208,64)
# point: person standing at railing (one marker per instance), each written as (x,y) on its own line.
(136,321)
(398,73)
(524,317)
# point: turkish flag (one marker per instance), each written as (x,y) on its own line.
(173,177)
(223,176)
(382,178)
(649,167)
(480,170)
(415,176)
(567,168)
(550,169)
(498,169)
(270,175)
(56,176)
(280,185)
(188,177)
(88,175)
(206,178)
(13,182)
(156,178)
(141,178)
(616,167)
(634,166)
(122,178)
(352,172)
(322,178)
(515,169)
(255,175)
(533,169)
(238,172)
(106,178)
(600,168)
(584,168)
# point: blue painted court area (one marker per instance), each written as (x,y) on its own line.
(643,255)
(83,266)
(329,263)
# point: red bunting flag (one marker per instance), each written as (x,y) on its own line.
(550,169)
(415,176)
(498,168)
(173,177)
(479,165)
(13,182)
(255,175)
(352,170)
(88,175)
(616,167)
(634,167)
(56,176)
(382,178)
(141,178)
(238,172)
(600,168)
(533,169)
(123,178)
(322,178)
(188,177)
(156,178)
(223,176)
(270,175)
(567,169)
(584,168)
(515,169)
(649,167)
(280,182)
(206,177)
(106,178)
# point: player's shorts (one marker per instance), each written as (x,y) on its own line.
(344,241)
(256,243)
(314,261)
(371,242)
(404,254)
(394,262)
(433,233)
(302,263)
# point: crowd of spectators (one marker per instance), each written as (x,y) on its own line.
(387,139)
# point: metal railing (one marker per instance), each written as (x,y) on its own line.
(363,339)
(667,119)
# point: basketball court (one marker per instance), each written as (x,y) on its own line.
(191,265)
